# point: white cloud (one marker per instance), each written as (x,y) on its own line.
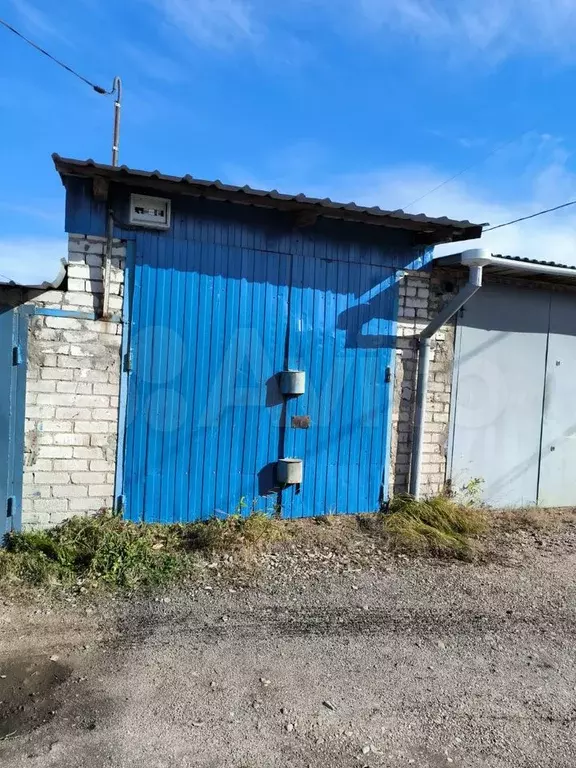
(153,64)
(459,28)
(33,18)
(31,260)
(212,23)
(494,29)
(262,29)
(545,182)
(46,209)
(551,237)
(499,26)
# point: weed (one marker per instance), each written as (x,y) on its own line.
(260,528)
(471,492)
(104,550)
(241,506)
(33,569)
(107,551)
(439,525)
(531,519)
(256,530)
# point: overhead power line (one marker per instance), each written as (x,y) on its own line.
(532,216)
(465,170)
(97,88)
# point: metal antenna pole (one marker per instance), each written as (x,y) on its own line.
(107,265)
(117,89)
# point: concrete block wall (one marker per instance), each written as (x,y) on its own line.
(72,393)
(422,294)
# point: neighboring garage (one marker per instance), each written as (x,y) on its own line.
(513,415)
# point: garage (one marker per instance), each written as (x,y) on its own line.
(259,343)
(513,421)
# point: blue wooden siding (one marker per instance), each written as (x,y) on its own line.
(219,305)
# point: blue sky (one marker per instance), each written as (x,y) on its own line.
(372,100)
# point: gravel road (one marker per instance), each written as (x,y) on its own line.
(395,662)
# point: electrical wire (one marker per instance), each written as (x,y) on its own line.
(103,91)
(465,170)
(532,216)
(92,85)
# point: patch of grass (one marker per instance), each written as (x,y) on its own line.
(33,570)
(438,526)
(255,531)
(532,519)
(103,550)
(107,551)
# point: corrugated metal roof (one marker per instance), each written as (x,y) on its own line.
(433,230)
(536,261)
(514,267)
(15,280)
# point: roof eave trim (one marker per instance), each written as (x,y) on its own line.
(512,265)
(429,232)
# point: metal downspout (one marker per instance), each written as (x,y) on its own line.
(474,259)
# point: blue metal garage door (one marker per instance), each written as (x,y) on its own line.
(212,326)
(341,335)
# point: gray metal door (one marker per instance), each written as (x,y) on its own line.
(499,385)
(557,486)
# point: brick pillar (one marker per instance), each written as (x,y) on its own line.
(421,297)
(72,394)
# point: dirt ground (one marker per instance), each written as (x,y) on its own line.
(380,661)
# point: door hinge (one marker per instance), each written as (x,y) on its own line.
(17,355)
(10,506)
(388,375)
(127,362)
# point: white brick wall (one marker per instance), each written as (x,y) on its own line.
(72,394)
(421,298)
